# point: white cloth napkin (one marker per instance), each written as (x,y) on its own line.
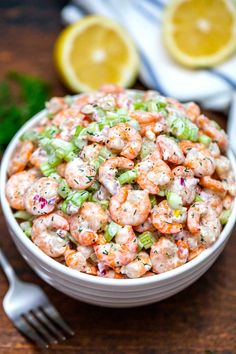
(213,88)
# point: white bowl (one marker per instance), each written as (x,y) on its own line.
(104,291)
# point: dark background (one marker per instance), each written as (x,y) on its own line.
(201,319)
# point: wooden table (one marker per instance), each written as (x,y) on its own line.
(201,319)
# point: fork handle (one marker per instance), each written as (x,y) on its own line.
(7,268)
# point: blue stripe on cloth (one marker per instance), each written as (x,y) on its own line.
(157,3)
(224,77)
(145,12)
(151,74)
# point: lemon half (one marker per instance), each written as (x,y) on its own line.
(94,51)
(200,33)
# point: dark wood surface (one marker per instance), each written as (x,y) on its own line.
(201,319)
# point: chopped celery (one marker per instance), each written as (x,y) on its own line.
(204,139)
(174,200)
(26,227)
(153,200)
(128,177)
(23,215)
(183,128)
(63,189)
(111,231)
(146,240)
(106,153)
(47,169)
(198,198)
(30,135)
(94,187)
(224,216)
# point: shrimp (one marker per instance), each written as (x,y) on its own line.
(192,111)
(229,183)
(85,225)
(16,187)
(78,259)
(111,88)
(153,173)
(56,104)
(203,220)
(20,157)
(110,273)
(41,197)
(108,170)
(91,152)
(228,201)
(211,198)
(61,169)
(138,267)
(212,184)
(167,220)
(124,139)
(68,119)
(200,161)
(213,130)
(222,167)
(49,233)
(170,150)
(130,207)
(184,184)
(145,117)
(120,253)
(79,174)
(214,149)
(145,226)
(166,254)
(38,157)
(193,240)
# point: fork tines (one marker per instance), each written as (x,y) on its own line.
(44,326)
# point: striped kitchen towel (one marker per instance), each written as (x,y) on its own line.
(213,88)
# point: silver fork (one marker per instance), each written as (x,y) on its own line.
(30,310)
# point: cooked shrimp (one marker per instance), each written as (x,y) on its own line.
(145,117)
(68,119)
(167,220)
(214,149)
(120,253)
(222,167)
(166,254)
(153,174)
(212,199)
(138,267)
(78,259)
(90,152)
(85,225)
(194,253)
(193,240)
(130,207)
(61,169)
(203,219)
(212,184)
(184,184)
(38,157)
(200,161)
(108,170)
(124,139)
(79,174)
(110,273)
(192,111)
(20,157)
(228,201)
(41,197)
(145,226)
(49,233)
(213,130)
(170,150)
(16,187)
(229,183)
(56,104)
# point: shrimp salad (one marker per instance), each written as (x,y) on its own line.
(122,183)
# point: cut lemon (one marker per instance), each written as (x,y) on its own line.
(94,51)
(200,33)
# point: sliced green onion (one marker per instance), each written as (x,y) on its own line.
(63,189)
(153,200)
(47,169)
(23,215)
(204,139)
(26,226)
(128,177)
(224,216)
(146,240)
(111,231)
(174,200)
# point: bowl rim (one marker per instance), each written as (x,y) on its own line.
(96,280)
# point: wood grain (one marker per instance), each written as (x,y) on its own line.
(201,319)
